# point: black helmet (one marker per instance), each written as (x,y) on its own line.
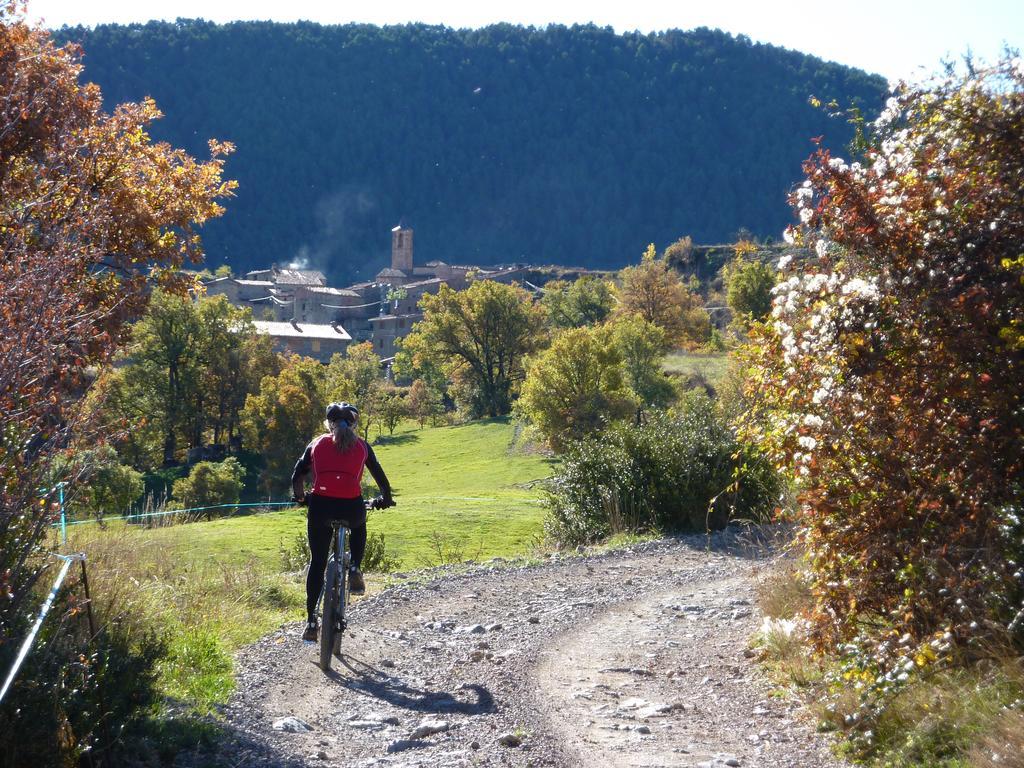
(346,411)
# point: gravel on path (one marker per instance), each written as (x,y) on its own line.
(633,657)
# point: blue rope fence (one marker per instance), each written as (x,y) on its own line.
(63,523)
(188,510)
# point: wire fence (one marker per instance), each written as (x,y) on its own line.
(142,516)
(63,523)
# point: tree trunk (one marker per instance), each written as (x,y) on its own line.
(170,439)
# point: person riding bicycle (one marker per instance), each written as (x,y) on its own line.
(336,460)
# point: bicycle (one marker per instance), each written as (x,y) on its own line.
(335,595)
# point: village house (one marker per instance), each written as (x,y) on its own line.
(304,315)
(316,340)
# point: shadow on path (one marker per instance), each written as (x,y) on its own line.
(468,699)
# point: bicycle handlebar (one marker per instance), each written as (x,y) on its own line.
(380,502)
(377,502)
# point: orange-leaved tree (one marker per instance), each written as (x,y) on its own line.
(89,205)
(654,291)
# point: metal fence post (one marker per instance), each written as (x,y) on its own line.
(30,638)
(63,516)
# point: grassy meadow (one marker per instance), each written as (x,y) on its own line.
(710,365)
(463,492)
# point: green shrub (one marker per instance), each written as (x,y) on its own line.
(296,556)
(100,483)
(749,286)
(376,557)
(209,484)
(715,343)
(673,473)
(75,695)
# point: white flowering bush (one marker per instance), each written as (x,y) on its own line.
(887,380)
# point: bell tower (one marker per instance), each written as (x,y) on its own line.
(401,248)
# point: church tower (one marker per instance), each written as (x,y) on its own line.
(401,248)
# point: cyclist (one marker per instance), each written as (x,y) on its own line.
(336,460)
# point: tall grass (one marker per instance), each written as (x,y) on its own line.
(202,608)
(948,718)
(710,367)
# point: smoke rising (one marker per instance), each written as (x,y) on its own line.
(337,242)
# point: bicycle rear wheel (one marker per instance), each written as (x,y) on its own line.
(329,634)
(342,599)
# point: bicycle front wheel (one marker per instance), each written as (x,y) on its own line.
(329,633)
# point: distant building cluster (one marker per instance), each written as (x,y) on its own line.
(306,316)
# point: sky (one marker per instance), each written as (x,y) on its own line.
(906,39)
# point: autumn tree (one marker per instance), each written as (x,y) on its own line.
(118,405)
(166,368)
(479,338)
(642,347)
(587,300)
(88,205)
(390,406)
(234,359)
(576,386)
(425,403)
(888,379)
(407,368)
(97,482)
(182,379)
(355,377)
(210,484)
(284,415)
(653,291)
(679,255)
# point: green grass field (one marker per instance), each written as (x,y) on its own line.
(465,485)
(711,365)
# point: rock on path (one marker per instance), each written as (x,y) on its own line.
(628,658)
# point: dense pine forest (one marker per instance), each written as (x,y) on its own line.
(558,145)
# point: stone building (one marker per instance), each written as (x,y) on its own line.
(387,329)
(401,248)
(317,340)
(269,292)
(323,304)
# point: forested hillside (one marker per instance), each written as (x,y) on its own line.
(559,145)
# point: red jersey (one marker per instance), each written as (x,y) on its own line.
(337,474)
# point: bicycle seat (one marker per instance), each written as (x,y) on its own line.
(343,523)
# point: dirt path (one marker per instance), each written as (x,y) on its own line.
(630,658)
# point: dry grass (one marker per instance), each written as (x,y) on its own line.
(204,607)
(782,590)
(951,718)
(1003,745)
(784,596)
